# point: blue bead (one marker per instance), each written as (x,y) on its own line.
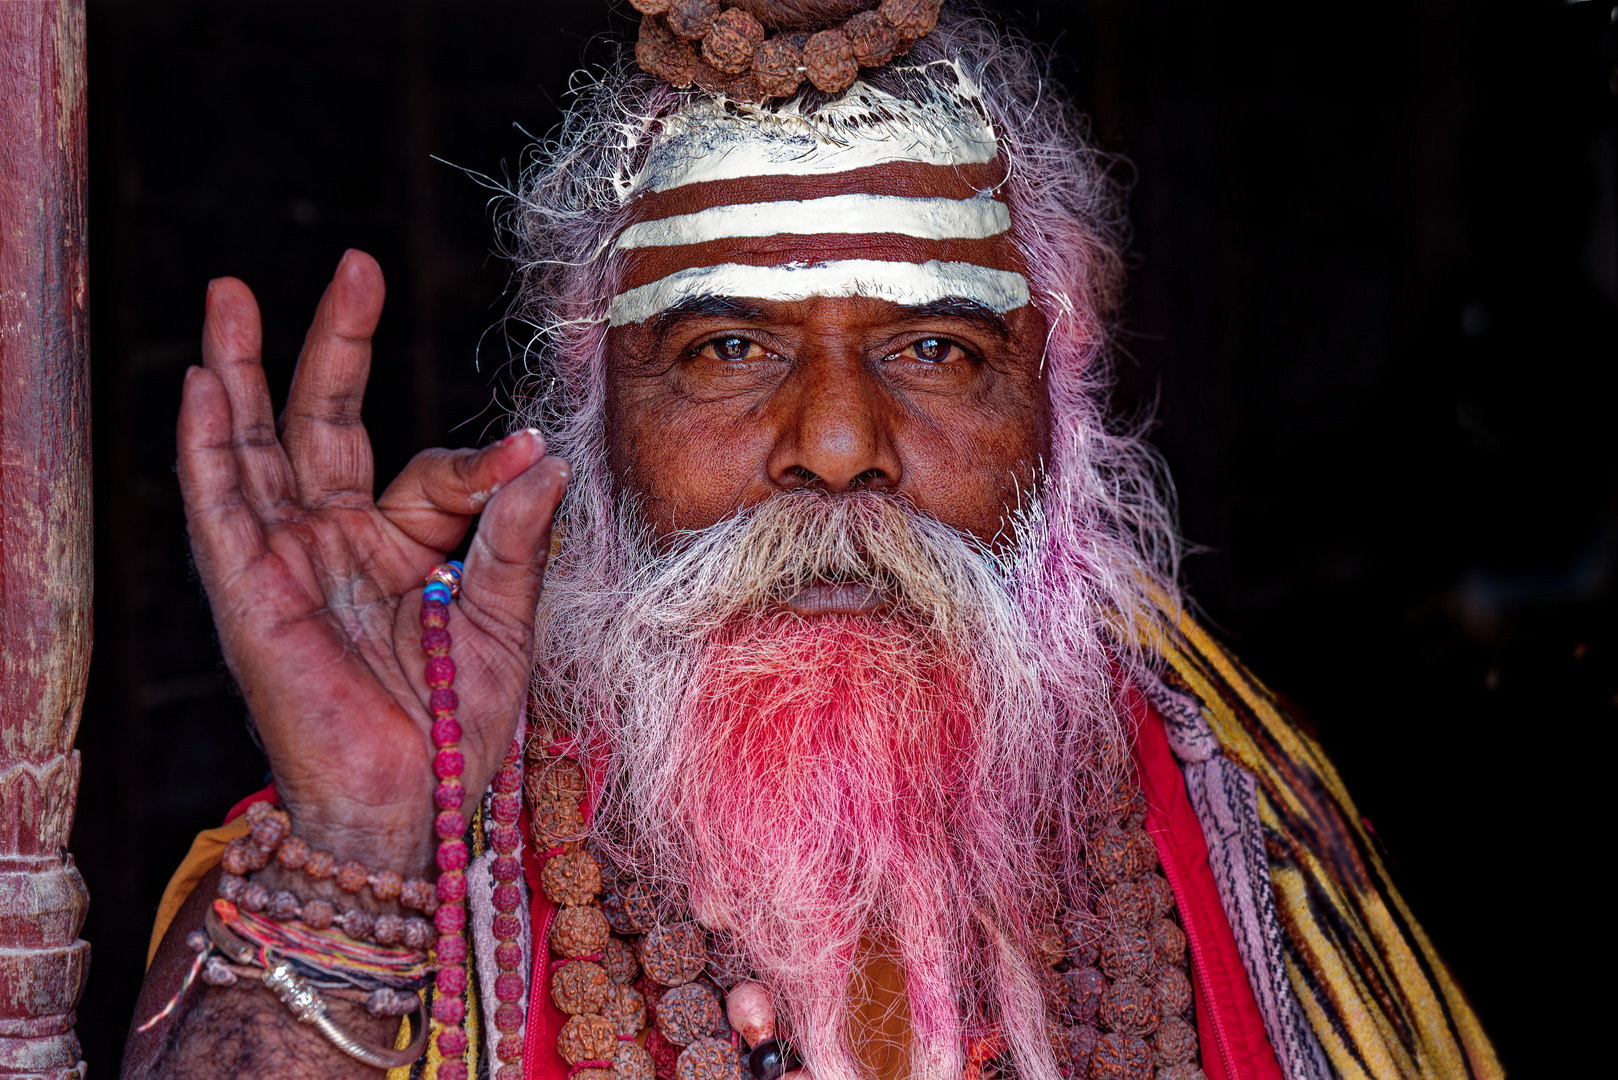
(436,591)
(457,566)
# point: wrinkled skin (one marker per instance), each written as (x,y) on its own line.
(315,585)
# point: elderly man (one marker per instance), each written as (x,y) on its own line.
(859,728)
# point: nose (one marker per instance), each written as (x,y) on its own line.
(835,428)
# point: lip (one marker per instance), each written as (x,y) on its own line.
(833,598)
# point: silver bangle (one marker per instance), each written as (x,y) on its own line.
(306,1003)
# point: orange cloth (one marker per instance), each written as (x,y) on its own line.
(206,852)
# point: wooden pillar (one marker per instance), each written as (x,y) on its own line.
(45,557)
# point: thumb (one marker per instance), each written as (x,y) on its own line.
(505,565)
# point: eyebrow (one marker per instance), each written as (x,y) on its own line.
(733,309)
(960,307)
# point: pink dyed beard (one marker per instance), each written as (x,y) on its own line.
(833,797)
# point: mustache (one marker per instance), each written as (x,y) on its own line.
(758,559)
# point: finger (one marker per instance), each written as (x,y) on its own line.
(232,348)
(226,536)
(328,447)
(435,498)
(506,562)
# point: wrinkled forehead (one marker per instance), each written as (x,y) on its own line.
(867,196)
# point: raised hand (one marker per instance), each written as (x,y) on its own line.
(315,584)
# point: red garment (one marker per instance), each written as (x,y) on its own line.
(1229,1025)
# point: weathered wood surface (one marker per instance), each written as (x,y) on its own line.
(45,567)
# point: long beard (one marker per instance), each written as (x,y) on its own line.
(904,782)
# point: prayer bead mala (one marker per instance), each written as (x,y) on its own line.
(505,804)
(1123,994)
(599,946)
(449,1007)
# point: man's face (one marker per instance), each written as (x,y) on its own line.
(721,402)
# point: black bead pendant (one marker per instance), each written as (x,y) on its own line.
(771,1060)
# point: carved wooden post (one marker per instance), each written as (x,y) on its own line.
(45,569)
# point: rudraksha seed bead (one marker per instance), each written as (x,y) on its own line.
(632,1062)
(619,960)
(1145,850)
(692,18)
(506,868)
(283,907)
(688,1013)
(579,930)
(1085,987)
(240,855)
(1083,939)
(1055,990)
(1169,942)
(1162,894)
(1052,946)
(507,897)
(776,67)
(450,919)
(709,1059)
(435,641)
(452,1042)
(1129,1008)
(1185,1071)
(1081,1044)
(1128,903)
(626,1008)
(1121,1057)
(731,41)
(451,855)
(508,955)
(449,825)
(451,980)
(1175,1042)
(561,780)
(665,1055)
(434,614)
(505,838)
(571,878)
(453,1070)
(446,731)
(1173,990)
(587,1038)
(507,926)
(318,914)
(674,954)
(415,893)
(385,885)
(1113,856)
(509,1051)
(451,887)
(451,950)
(1127,954)
(231,887)
(579,987)
(357,923)
(440,672)
(448,795)
(650,7)
(727,962)
(508,985)
(556,825)
(293,853)
(255,897)
(504,808)
(271,828)
(828,59)
(633,909)
(320,865)
(911,18)
(350,876)
(443,702)
(874,39)
(388,930)
(449,1008)
(448,763)
(508,1017)
(418,933)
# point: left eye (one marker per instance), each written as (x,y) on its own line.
(730,347)
(934,350)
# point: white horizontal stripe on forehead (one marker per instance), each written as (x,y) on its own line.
(716,139)
(910,284)
(930,219)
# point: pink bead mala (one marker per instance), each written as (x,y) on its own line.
(449,1005)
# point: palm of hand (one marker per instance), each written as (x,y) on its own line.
(316,587)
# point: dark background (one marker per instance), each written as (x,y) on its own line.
(1375,308)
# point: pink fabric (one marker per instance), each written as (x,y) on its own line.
(1229,1024)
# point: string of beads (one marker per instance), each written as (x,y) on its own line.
(693,42)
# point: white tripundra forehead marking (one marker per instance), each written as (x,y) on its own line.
(929,219)
(910,284)
(718,139)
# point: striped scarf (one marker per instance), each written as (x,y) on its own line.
(1381,1002)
